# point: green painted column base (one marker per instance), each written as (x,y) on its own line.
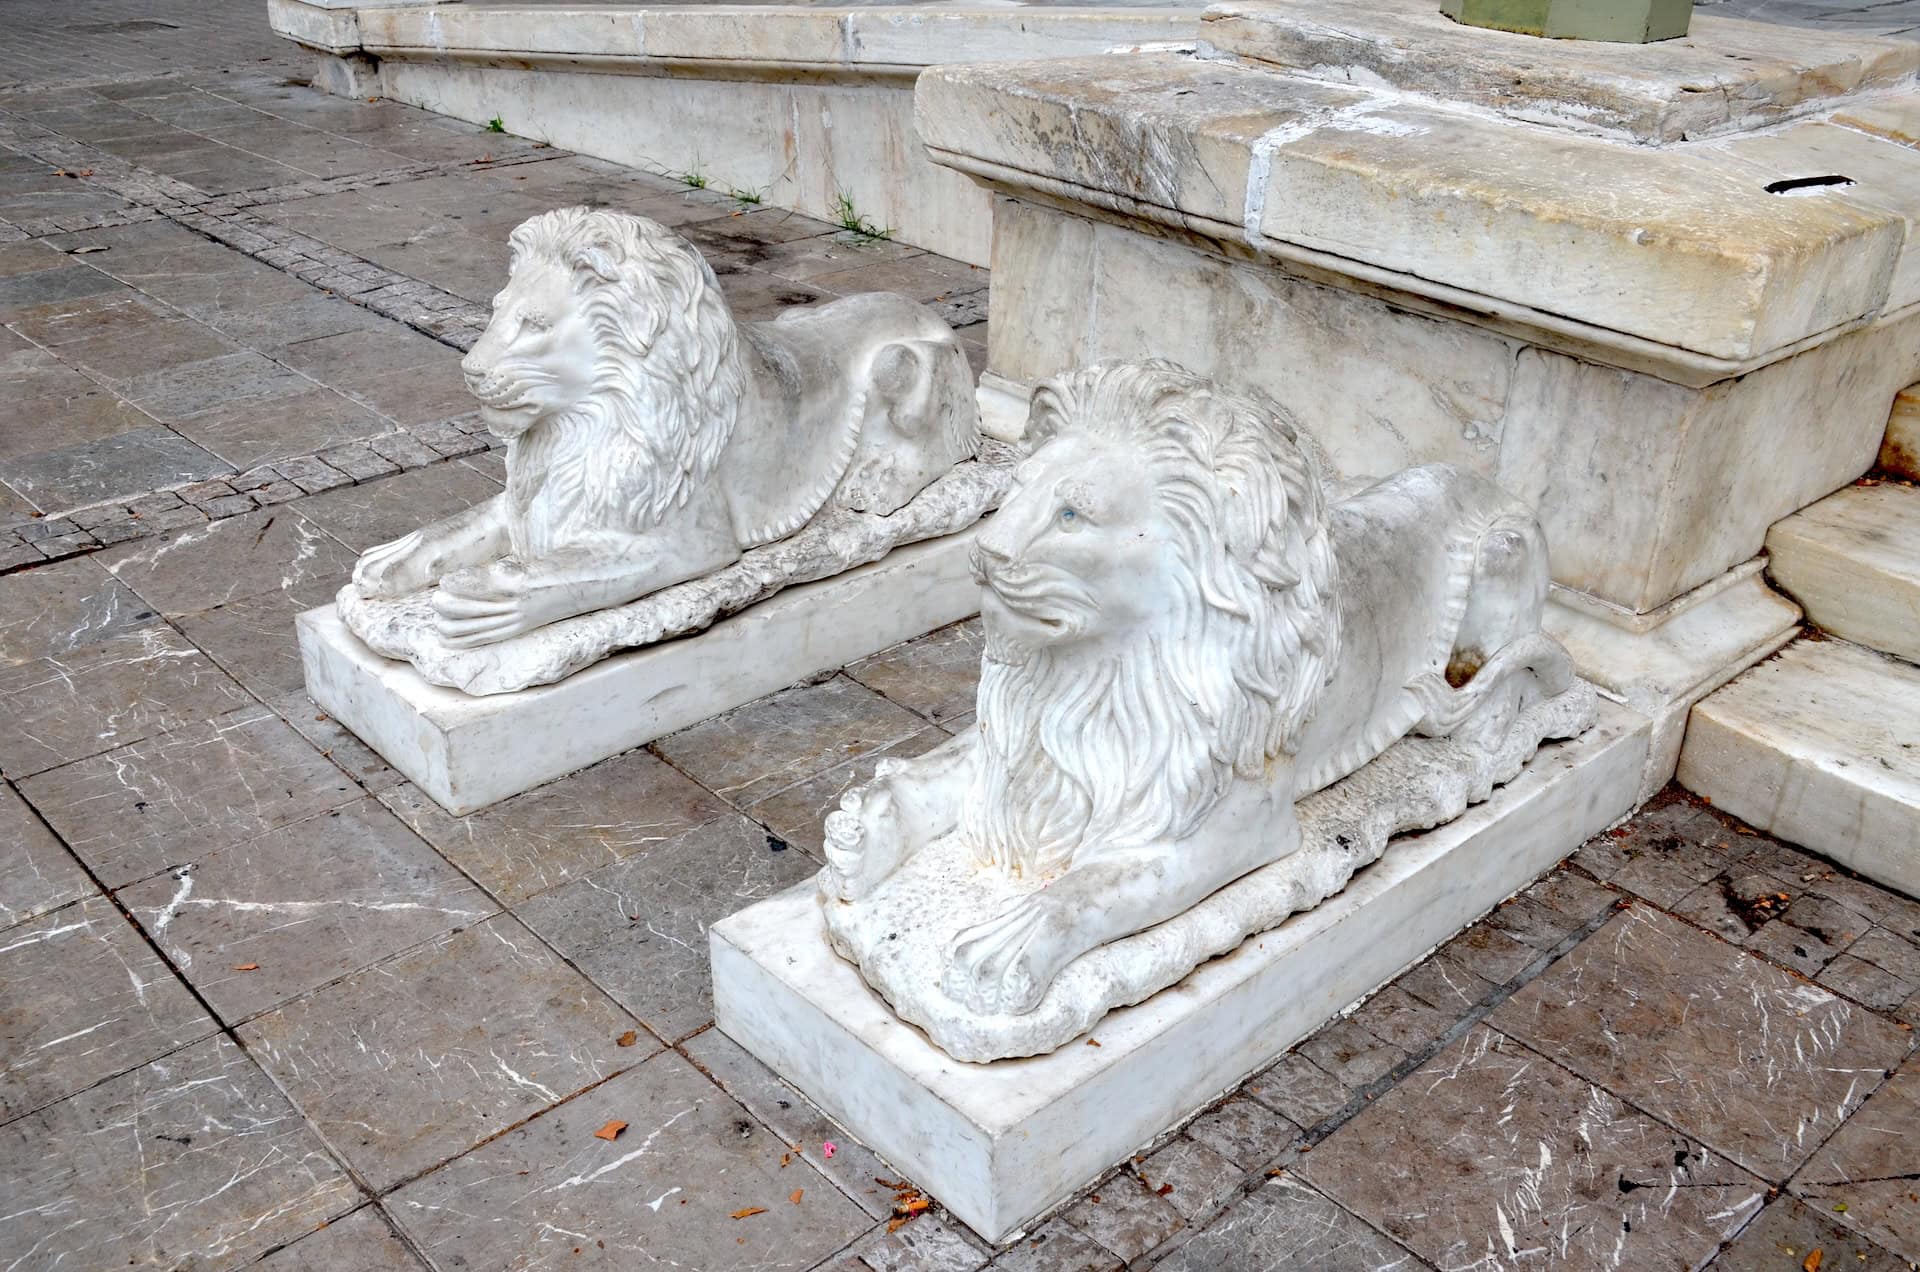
(1623,21)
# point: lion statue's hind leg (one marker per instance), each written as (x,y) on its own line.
(1501,662)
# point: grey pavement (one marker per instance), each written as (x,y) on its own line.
(262,1002)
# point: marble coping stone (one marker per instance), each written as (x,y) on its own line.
(1001,1143)
(469,752)
(1724,75)
(1680,249)
(616,37)
(1820,746)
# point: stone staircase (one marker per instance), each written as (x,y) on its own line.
(1821,744)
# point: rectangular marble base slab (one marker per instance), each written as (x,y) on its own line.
(468,752)
(1002,1143)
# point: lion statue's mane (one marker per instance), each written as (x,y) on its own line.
(669,379)
(1130,747)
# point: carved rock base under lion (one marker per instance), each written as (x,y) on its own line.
(899,936)
(834,542)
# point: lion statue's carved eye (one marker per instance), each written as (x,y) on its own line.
(1070,518)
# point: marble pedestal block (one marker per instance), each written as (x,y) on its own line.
(1002,1143)
(468,752)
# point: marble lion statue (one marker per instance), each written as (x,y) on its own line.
(652,439)
(1184,636)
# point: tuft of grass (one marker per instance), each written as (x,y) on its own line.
(693,179)
(746,196)
(496,124)
(849,218)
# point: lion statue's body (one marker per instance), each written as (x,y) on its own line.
(1184,635)
(652,439)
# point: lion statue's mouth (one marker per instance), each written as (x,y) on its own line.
(1045,595)
(500,389)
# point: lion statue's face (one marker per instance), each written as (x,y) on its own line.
(1078,554)
(536,357)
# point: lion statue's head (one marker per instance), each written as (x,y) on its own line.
(612,366)
(1156,591)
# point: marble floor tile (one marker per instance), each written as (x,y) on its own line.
(107,695)
(1749,1060)
(350,355)
(413,1062)
(37,873)
(795,1122)
(799,813)
(82,998)
(192,1161)
(254,640)
(787,737)
(115,358)
(930,1243)
(302,422)
(174,798)
(361,1242)
(1058,1247)
(1491,1154)
(273,327)
(937,675)
(639,926)
(1396,1016)
(1786,1235)
(1351,1054)
(173,392)
(1489,953)
(1125,1216)
(1868,1175)
(378,511)
(301,906)
(418,395)
(665,1193)
(1445,985)
(122,465)
(128,315)
(554,833)
(1283,1226)
(54,610)
(1299,1090)
(70,414)
(1193,1178)
(267,550)
(1247,1133)
(21,295)
(1672,847)
(333,740)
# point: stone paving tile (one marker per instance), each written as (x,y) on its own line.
(797,1123)
(117,359)
(1444,984)
(1787,1234)
(361,1242)
(1058,1247)
(1299,1090)
(82,998)
(331,738)
(192,1161)
(268,550)
(255,640)
(1669,849)
(1246,1133)
(302,905)
(937,675)
(639,926)
(1489,953)
(798,813)
(1283,1226)
(37,874)
(94,699)
(120,466)
(1397,1017)
(1490,1153)
(1125,1216)
(664,1192)
(1350,1054)
(924,1245)
(307,419)
(22,294)
(786,737)
(1868,984)
(415,1061)
(1193,1178)
(175,392)
(1771,1064)
(1868,1175)
(522,846)
(379,511)
(173,798)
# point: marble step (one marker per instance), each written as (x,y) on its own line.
(1852,560)
(1820,746)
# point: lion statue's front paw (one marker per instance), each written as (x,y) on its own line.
(864,840)
(395,568)
(1006,964)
